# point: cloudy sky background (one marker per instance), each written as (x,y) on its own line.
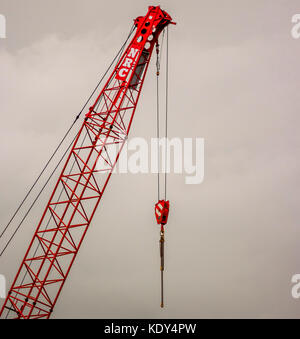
(233,242)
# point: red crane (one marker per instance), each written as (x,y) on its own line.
(77,193)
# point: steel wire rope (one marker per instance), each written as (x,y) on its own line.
(118,56)
(65,136)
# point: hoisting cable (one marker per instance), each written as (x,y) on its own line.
(158,60)
(118,55)
(157,116)
(162,207)
(167,104)
(158,169)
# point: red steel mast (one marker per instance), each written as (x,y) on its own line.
(77,193)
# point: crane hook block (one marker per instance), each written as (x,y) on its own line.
(162,212)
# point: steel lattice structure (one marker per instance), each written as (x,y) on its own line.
(78,191)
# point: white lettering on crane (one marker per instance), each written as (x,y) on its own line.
(123,72)
(127,64)
(133,52)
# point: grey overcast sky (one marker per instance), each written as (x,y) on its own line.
(233,242)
